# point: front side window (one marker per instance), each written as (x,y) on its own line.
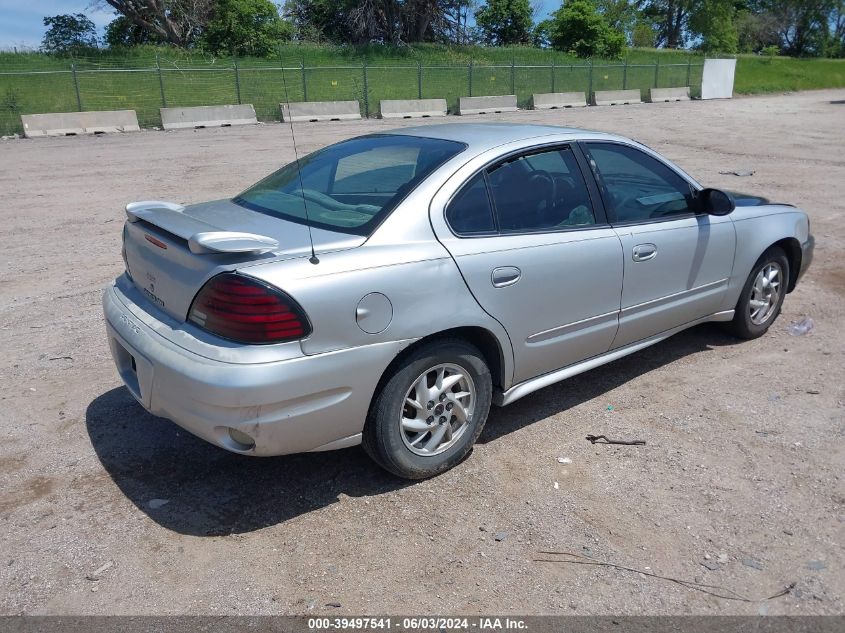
(541,191)
(351,186)
(638,187)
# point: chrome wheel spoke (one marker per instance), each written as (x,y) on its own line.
(436,437)
(450,381)
(757,303)
(459,411)
(422,391)
(416,425)
(411,402)
(418,438)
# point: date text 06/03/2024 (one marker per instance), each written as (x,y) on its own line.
(479,623)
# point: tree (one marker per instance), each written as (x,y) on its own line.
(541,36)
(643,34)
(756,31)
(837,27)
(621,15)
(714,22)
(801,24)
(123,32)
(505,22)
(68,34)
(671,18)
(245,27)
(578,27)
(382,21)
(177,22)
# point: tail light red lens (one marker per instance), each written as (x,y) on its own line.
(246,310)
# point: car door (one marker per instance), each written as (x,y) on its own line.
(676,262)
(538,257)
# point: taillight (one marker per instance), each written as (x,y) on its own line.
(248,311)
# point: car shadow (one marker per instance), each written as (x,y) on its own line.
(209,491)
(584,387)
(191,487)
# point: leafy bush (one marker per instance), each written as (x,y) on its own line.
(578,28)
(245,27)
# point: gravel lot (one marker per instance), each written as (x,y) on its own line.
(740,484)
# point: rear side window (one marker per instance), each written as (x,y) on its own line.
(542,191)
(470,212)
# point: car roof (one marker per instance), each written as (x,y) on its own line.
(482,136)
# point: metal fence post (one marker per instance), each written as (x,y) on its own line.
(625,74)
(304,81)
(513,75)
(161,83)
(469,75)
(366,92)
(237,79)
(656,71)
(76,87)
(419,80)
(553,75)
(590,81)
(689,69)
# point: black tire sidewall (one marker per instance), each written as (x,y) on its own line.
(382,434)
(743,326)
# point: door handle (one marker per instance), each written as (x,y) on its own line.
(505,276)
(644,252)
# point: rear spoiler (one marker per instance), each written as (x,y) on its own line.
(202,238)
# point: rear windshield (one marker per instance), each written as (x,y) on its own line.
(349,187)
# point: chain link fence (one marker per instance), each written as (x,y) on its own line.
(147,86)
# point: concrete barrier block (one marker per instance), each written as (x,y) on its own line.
(207,116)
(657,95)
(487,105)
(72,123)
(412,108)
(616,97)
(299,111)
(552,100)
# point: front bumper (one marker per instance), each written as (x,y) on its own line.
(307,403)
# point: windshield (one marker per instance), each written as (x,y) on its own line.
(351,186)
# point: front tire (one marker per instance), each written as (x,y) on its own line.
(762,296)
(430,412)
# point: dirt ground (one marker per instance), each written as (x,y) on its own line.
(740,484)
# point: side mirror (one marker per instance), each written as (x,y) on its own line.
(716,202)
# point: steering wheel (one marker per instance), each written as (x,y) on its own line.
(541,175)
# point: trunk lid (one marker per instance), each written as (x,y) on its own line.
(171,251)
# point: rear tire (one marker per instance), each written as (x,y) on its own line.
(428,414)
(762,296)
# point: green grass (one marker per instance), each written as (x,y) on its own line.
(756,74)
(33,82)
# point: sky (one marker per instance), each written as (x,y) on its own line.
(21,21)
(22,26)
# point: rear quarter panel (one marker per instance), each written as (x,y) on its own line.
(425,289)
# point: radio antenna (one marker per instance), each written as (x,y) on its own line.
(313,258)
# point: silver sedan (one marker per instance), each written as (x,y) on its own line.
(388,289)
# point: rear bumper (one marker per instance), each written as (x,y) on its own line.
(302,404)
